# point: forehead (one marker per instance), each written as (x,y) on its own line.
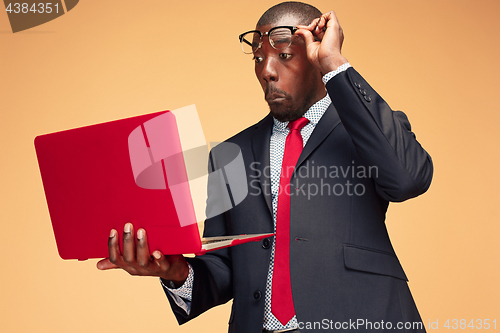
(284,20)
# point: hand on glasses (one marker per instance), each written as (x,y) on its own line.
(324,46)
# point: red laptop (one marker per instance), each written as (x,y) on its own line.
(145,170)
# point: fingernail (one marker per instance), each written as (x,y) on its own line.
(157,255)
(112,233)
(127,227)
(140,234)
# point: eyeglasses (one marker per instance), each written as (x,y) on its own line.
(279,38)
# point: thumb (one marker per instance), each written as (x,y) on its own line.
(105,264)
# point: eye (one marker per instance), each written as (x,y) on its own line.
(257,59)
(285,56)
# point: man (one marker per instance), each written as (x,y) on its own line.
(331,264)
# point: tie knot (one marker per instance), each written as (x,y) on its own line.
(298,124)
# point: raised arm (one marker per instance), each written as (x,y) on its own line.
(382,137)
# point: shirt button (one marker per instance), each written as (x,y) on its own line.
(257,294)
(266,243)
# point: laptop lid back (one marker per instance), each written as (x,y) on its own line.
(91,187)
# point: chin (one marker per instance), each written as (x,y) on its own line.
(283,113)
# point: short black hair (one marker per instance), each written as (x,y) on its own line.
(303,12)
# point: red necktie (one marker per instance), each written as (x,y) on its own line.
(281,290)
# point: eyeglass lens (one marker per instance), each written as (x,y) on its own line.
(279,38)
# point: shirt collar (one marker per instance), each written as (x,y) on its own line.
(314,113)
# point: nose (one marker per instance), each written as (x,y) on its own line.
(270,70)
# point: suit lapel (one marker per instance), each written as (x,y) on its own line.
(325,126)
(260,147)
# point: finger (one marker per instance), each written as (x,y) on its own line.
(333,17)
(128,243)
(161,261)
(143,256)
(105,264)
(113,248)
(308,36)
(311,25)
(322,22)
(331,20)
(336,29)
(328,20)
(319,33)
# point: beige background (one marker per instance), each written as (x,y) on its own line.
(437,60)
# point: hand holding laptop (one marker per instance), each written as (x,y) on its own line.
(136,258)
(148,169)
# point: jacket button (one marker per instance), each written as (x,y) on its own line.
(257,294)
(266,243)
(363,92)
(367,98)
(357,85)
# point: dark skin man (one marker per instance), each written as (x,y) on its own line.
(291,81)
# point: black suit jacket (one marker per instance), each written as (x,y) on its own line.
(360,156)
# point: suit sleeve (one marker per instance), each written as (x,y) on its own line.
(382,137)
(212,283)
